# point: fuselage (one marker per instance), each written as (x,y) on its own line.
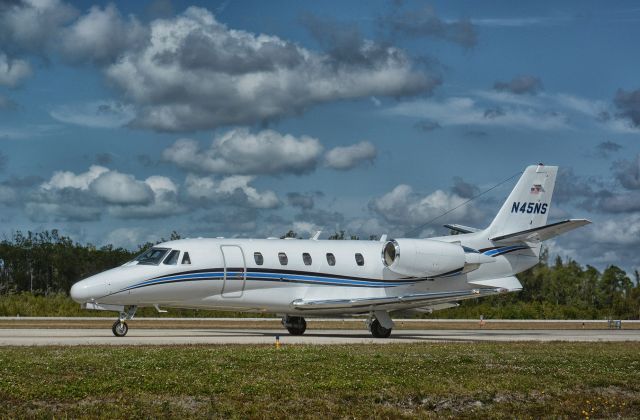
(267,275)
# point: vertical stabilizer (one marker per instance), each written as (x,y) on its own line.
(528,204)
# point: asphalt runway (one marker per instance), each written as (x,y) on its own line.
(74,337)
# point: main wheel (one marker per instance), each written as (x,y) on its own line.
(378,331)
(296,325)
(120,328)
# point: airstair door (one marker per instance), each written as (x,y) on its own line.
(235,271)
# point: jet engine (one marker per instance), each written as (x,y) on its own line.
(422,257)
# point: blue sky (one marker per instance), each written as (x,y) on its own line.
(120,122)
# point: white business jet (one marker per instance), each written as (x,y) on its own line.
(306,278)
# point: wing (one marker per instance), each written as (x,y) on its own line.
(415,300)
(542,233)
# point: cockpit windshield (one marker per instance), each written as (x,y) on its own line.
(152,256)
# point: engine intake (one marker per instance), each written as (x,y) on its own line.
(422,257)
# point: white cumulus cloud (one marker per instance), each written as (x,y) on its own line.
(230,188)
(87,195)
(348,157)
(404,207)
(68,179)
(118,188)
(13,71)
(242,152)
(101,35)
(196,73)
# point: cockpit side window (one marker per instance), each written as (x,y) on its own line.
(152,257)
(186,259)
(172,258)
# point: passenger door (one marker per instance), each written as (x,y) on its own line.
(235,271)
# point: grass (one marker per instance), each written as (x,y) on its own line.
(383,381)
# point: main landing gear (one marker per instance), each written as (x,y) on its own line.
(380,324)
(296,325)
(378,331)
(120,327)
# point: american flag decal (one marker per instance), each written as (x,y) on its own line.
(537,189)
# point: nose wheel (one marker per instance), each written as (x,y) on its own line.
(120,328)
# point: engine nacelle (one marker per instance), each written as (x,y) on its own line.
(422,257)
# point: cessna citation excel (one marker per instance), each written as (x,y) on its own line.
(307,278)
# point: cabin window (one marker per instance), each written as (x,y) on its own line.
(306,258)
(359,259)
(172,258)
(283,258)
(331,259)
(259,259)
(152,256)
(186,259)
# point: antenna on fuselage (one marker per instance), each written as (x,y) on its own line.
(316,235)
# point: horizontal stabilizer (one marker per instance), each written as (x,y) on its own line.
(462,228)
(389,302)
(542,233)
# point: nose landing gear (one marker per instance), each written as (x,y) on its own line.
(120,327)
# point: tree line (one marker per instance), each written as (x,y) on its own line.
(48,263)
(563,289)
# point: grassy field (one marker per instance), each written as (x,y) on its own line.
(387,381)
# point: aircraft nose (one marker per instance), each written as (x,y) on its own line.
(88,289)
(78,291)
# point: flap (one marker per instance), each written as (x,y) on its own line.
(510,283)
(393,302)
(542,233)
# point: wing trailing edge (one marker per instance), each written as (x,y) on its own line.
(394,302)
(511,283)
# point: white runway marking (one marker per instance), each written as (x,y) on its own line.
(72,337)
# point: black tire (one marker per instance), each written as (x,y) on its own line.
(378,331)
(296,325)
(120,328)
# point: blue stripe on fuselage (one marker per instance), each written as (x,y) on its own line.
(295,278)
(504,249)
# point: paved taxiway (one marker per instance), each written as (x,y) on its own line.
(51,336)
